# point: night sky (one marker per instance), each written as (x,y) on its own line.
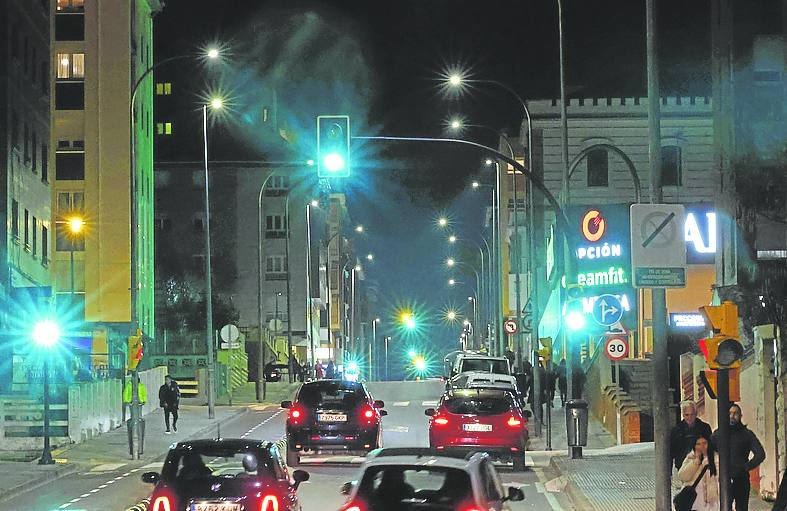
(381,63)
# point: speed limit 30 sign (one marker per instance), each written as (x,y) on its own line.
(616,348)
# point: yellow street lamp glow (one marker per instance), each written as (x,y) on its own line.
(451,315)
(75,224)
(450,261)
(420,363)
(213,53)
(46,333)
(217,103)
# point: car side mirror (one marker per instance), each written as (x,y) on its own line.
(527,414)
(383,413)
(515,494)
(299,476)
(379,403)
(430,412)
(346,488)
(150,477)
(286,404)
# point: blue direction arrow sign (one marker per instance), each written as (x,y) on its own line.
(607,310)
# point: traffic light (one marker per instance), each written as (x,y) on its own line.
(545,352)
(134,350)
(710,380)
(333,146)
(573,314)
(723,350)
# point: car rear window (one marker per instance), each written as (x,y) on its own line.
(327,394)
(415,487)
(484,365)
(199,462)
(477,405)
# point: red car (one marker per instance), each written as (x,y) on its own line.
(480,420)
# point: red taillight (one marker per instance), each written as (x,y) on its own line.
(162,503)
(514,422)
(296,415)
(440,421)
(353,506)
(368,413)
(269,503)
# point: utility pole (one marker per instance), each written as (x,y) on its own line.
(661,412)
(208,276)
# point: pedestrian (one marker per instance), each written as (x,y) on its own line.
(169,399)
(319,372)
(511,356)
(684,434)
(578,380)
(743,443)
(142,392)
(698,470)
(551,371)
(295,367)
(330,371)
(562,381)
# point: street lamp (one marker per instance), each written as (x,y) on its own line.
(451,282)
(370,257)
(442,221)
(46,334)
(373,346)
(452,239)
(359,228)
(450,262)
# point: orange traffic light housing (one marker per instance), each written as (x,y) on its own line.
(709,380)
(134,350)
(723,350)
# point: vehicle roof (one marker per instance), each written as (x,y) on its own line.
(479,392)
(227,443)
(339,381)
(422,456)
(483,374)
(479,355)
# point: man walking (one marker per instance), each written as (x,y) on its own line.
(169,398)
(743,443)
(684,434)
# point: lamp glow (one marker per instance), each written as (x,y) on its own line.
(370,257)
(315,203)
(217,103)
(476,184)
(575,320)
(450,261)
(333,162)
(358,228)
(488,162)
(455,80)
(452,239)
(75,224)
(46,333)
(442,221)
(213,53)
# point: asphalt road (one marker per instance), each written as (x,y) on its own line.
(116,488)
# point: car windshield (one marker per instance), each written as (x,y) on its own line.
(330,394)
(397,487)
(477,405)
(484,365)
(201,462)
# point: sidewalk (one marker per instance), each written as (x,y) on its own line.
(598,437)
(111,449)
(608,476)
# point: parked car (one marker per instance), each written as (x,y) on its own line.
(480,420)
(410,479)
(331,416)
(476,362)
(225,475)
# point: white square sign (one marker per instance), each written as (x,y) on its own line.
(658,245)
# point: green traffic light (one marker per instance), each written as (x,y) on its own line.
(46,333)
(333,146)
(333,162)
(575,320)
(411,353)
(420,364)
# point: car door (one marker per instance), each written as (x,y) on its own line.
(491,486)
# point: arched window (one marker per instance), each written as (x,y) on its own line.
(598,168)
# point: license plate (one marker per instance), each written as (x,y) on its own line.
(477,427)
(332,417)
(216,506)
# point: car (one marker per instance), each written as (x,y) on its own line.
(492,381)
(332,416)
(476,362)
(488,420)
(410,479)
(273,372)
(225,474)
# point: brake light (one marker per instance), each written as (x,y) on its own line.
(296,415)
(269,503)
(162,503)
(353,506)
(368,413)
(514,422)
(440,421)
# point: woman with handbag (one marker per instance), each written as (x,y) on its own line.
(701,481)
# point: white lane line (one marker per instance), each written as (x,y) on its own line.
(74,500)
(397,429)
(429,403)
(84,495)
(551,500)
(102,486)
(111,481)
(65,505)
(402,403)
(95,490)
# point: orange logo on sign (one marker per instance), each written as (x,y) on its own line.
(593,225)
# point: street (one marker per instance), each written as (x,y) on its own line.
(117,486)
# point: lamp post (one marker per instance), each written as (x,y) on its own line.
(373,347)
(486,272)
(46,335)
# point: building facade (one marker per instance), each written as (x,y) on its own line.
(99,50)
(25,179)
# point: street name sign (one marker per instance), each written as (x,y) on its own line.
(658,246)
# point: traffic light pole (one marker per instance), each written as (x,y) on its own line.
(723,444)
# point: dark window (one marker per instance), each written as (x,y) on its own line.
(198,264)
(70,95)
(70,26)
(44,245)
(44,162)
(598,168)
(33,60)
(14,129)
(198,224)
(70,166)
(25,54)
(15,219)
(27,230)
(671,171)
(44,78)
(26,145)
(34,147)
(275,226)
(15,40)
(35,236)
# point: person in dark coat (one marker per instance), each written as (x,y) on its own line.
(684,434)
(330,371)
(169,399)
(743,444)
(562,381)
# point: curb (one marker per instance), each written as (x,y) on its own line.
(575,495)
(46,477)
(142,505)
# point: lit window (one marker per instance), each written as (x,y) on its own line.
(70,66)
(163,128)
(70,5)
(168,128)
(163,89)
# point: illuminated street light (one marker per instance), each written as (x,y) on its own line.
(370,257)
(216,103)
(75,224)
(442,221)
(359,228)
(420,364)
(213,53)
(411,353)
(315,203)
(455,124)
(451,315)
(450,262)
(476,184)
(488,162)
(452,239)
(46,334)
(451,282)
(357,267)
(575,320)
(455,80)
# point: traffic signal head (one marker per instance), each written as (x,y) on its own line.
(545,352)
(134,350)
(573,315)
(723,349)
(333,146)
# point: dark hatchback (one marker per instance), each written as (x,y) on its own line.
(225,475)
(332,416)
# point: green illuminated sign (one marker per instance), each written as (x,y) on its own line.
(612,276)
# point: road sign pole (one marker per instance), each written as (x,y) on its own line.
(618,422)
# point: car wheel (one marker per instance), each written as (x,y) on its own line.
(293,457)
(519,462)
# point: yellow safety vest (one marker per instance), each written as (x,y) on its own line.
(142,392)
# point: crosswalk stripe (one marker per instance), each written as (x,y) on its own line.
(429,403)
(402,403)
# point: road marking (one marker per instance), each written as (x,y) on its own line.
(84,495)
(152,465)
(107,467)
(397,429)
(402,403)
(551,500)
(95,490)
(429,403)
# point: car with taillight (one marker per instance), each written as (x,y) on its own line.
(410,479)
(332,416)
(477,362)
(480,420)
(225,475)
(492,381)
